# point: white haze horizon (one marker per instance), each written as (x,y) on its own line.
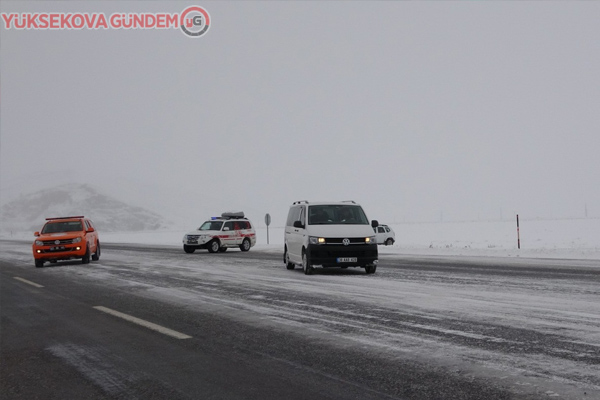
(419,111)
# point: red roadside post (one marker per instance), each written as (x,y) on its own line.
(518,234)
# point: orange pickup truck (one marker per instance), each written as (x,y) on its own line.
(66,238)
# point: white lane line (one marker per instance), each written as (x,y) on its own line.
(27,282)
(144,323)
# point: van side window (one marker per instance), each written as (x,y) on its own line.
(302,216)
(294,215)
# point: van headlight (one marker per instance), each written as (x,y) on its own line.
(316,240)
(370,239)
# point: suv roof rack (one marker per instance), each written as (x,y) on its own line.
(349,201)
(76,216)
(231,215)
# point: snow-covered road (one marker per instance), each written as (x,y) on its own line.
(530,325)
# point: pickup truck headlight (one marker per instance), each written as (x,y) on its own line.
(39,243)
(77,240)
(316,240)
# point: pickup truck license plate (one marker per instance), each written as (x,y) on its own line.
(346,259)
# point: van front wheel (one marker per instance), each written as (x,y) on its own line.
(306,266)
(370,269)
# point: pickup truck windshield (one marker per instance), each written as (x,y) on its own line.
(64,226)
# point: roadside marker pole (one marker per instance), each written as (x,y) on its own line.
(518,234)
(268,222)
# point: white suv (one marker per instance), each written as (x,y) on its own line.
(331,235)
(385,235)
(220,233)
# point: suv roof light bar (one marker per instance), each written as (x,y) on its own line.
(301,202)
(77,216)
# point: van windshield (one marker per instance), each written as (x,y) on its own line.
(211,226)
(336,214)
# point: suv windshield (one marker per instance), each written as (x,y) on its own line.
(336,214)
(65,226)
(211,226)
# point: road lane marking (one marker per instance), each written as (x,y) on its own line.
(144,323)
(27,282)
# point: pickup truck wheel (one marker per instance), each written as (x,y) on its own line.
(214,246)
(96,255)
(245,246)
(39,263)
(389,242)
(188,249)
(86,258)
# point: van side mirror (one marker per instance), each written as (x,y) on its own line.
(374,223)
(36,234)
(298,224)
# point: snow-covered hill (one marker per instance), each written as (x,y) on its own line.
(28,212)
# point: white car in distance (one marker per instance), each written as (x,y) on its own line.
(385,235)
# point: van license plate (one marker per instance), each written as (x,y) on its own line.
(346,259)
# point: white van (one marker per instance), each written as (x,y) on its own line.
(334,234)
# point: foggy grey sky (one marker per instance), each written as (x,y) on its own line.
(470,109)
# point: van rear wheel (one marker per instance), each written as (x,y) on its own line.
(286,260)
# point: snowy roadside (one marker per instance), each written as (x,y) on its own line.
(555,239)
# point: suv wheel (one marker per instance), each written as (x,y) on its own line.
(96,255)
(86,258)
(39,263)
(286,260)
(214,246)
(245,246)
(389,242)
(308,269)
(188,249)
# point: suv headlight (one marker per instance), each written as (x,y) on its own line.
(316,240)
(370,239)
(39,243)
(77,240)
